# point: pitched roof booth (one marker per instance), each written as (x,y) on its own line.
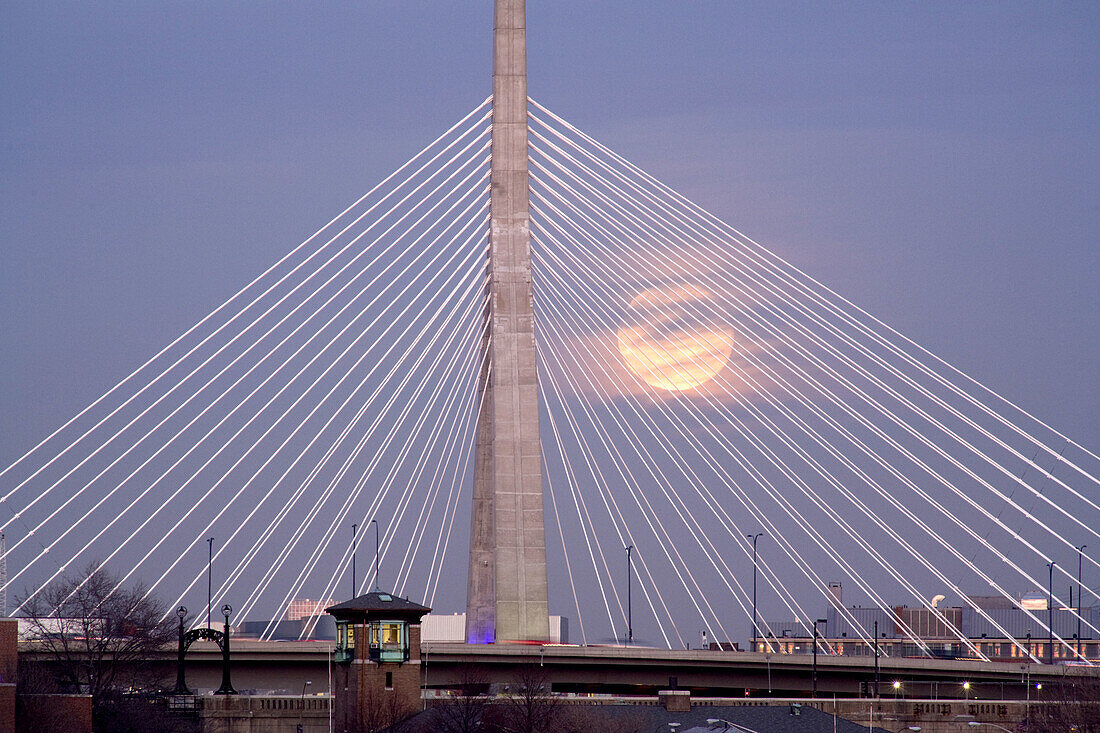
(376,678)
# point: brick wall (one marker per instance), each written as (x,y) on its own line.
(54,714)
(9,650)
(369,695)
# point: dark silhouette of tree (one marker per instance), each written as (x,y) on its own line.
(386,713)
(92,636)
(1077,708)
(525,706)
(463,712)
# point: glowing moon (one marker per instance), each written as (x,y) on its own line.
(671,339)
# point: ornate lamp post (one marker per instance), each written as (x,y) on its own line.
(181,685)
(227,686)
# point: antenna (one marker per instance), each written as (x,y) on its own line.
(3,576)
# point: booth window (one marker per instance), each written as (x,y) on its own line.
(389,641)
(345,641)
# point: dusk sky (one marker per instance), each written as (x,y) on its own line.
(937,163)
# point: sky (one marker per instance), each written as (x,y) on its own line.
(936,163)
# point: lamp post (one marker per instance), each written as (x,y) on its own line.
(876,659)
(1080,556)
(227,686)
(181,685)
(1050,613)
(354,585)
(629,610)
(816,622)
(209,576)
(755,627)
(376,556)
(302,703)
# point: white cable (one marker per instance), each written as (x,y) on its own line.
(767,254)
(232,298)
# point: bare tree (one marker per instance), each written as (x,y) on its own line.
(385,712)
(1077,709)
(463,712)
(96,637)
(527,705)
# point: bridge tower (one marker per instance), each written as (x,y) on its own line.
(506,593)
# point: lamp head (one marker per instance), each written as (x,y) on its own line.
(227,610)
(181,612)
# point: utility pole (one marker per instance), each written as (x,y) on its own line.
(376,585)
(1050,613)
(816,622)
(755,627)
(876,659)
(354,585)
(209,576)
(4,576)
(1080,556)
(629,616)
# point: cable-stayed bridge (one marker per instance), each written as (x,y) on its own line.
(694,389)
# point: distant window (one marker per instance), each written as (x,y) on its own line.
(345,641)
(389,641)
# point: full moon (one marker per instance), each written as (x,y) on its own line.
(671,340)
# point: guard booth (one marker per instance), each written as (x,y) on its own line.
(376,675)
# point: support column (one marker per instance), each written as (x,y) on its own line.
(508,536)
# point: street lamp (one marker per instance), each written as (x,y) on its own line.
(181,685)
(354,585)
(1080,555)
(755,627)
(876,659)
(897,688)
(816,622)
(377,587)
(209,575)
(966,689)
(1050,613)
(629,616)
(302,702)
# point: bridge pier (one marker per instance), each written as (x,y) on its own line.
(507,597)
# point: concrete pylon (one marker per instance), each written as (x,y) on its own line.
(506,595)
